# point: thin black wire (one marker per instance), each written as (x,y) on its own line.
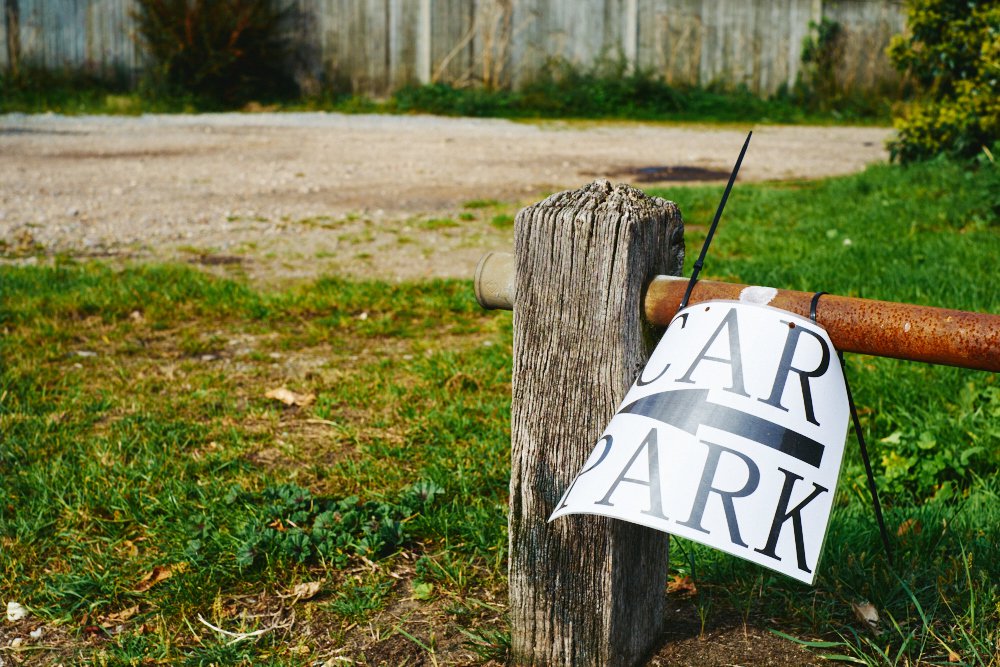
(861,442)
(868,465)
(715,223)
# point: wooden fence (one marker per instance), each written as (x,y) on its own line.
(95,36)
(375,46)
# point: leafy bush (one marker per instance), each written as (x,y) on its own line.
(609,89)
(953,52)
(445,100)
(295,526)
(225,52)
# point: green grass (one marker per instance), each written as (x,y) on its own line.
(143,455)
(503,221)
(940,598)
(481,203)
(437,223)
(148,481)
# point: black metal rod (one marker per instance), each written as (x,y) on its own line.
(700,262)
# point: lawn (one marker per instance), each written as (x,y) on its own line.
(163,502)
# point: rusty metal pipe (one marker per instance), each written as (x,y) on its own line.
(866,326)
(880,328)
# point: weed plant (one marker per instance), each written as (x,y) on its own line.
(149,482)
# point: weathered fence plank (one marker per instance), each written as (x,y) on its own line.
(95,36)
(452,49)
(865,25)
(404,31)
(580,33)
(376,46)
(9,47)
(584,590)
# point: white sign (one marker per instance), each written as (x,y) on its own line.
(732,436)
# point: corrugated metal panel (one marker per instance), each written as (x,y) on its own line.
(375,46)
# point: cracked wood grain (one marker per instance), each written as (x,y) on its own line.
(584,590)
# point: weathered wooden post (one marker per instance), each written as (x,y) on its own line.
(584,590)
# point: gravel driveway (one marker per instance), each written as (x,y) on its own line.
(292,195)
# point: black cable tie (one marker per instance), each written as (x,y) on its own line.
(700,262)
(813,304)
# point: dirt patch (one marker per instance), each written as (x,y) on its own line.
(670,174)
(300,195)
(217,260)
(724,641)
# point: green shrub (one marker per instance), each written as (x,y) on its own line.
(953,53)
(607,88)
(221,52)
(445,100)
(561,90)
(610,89)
